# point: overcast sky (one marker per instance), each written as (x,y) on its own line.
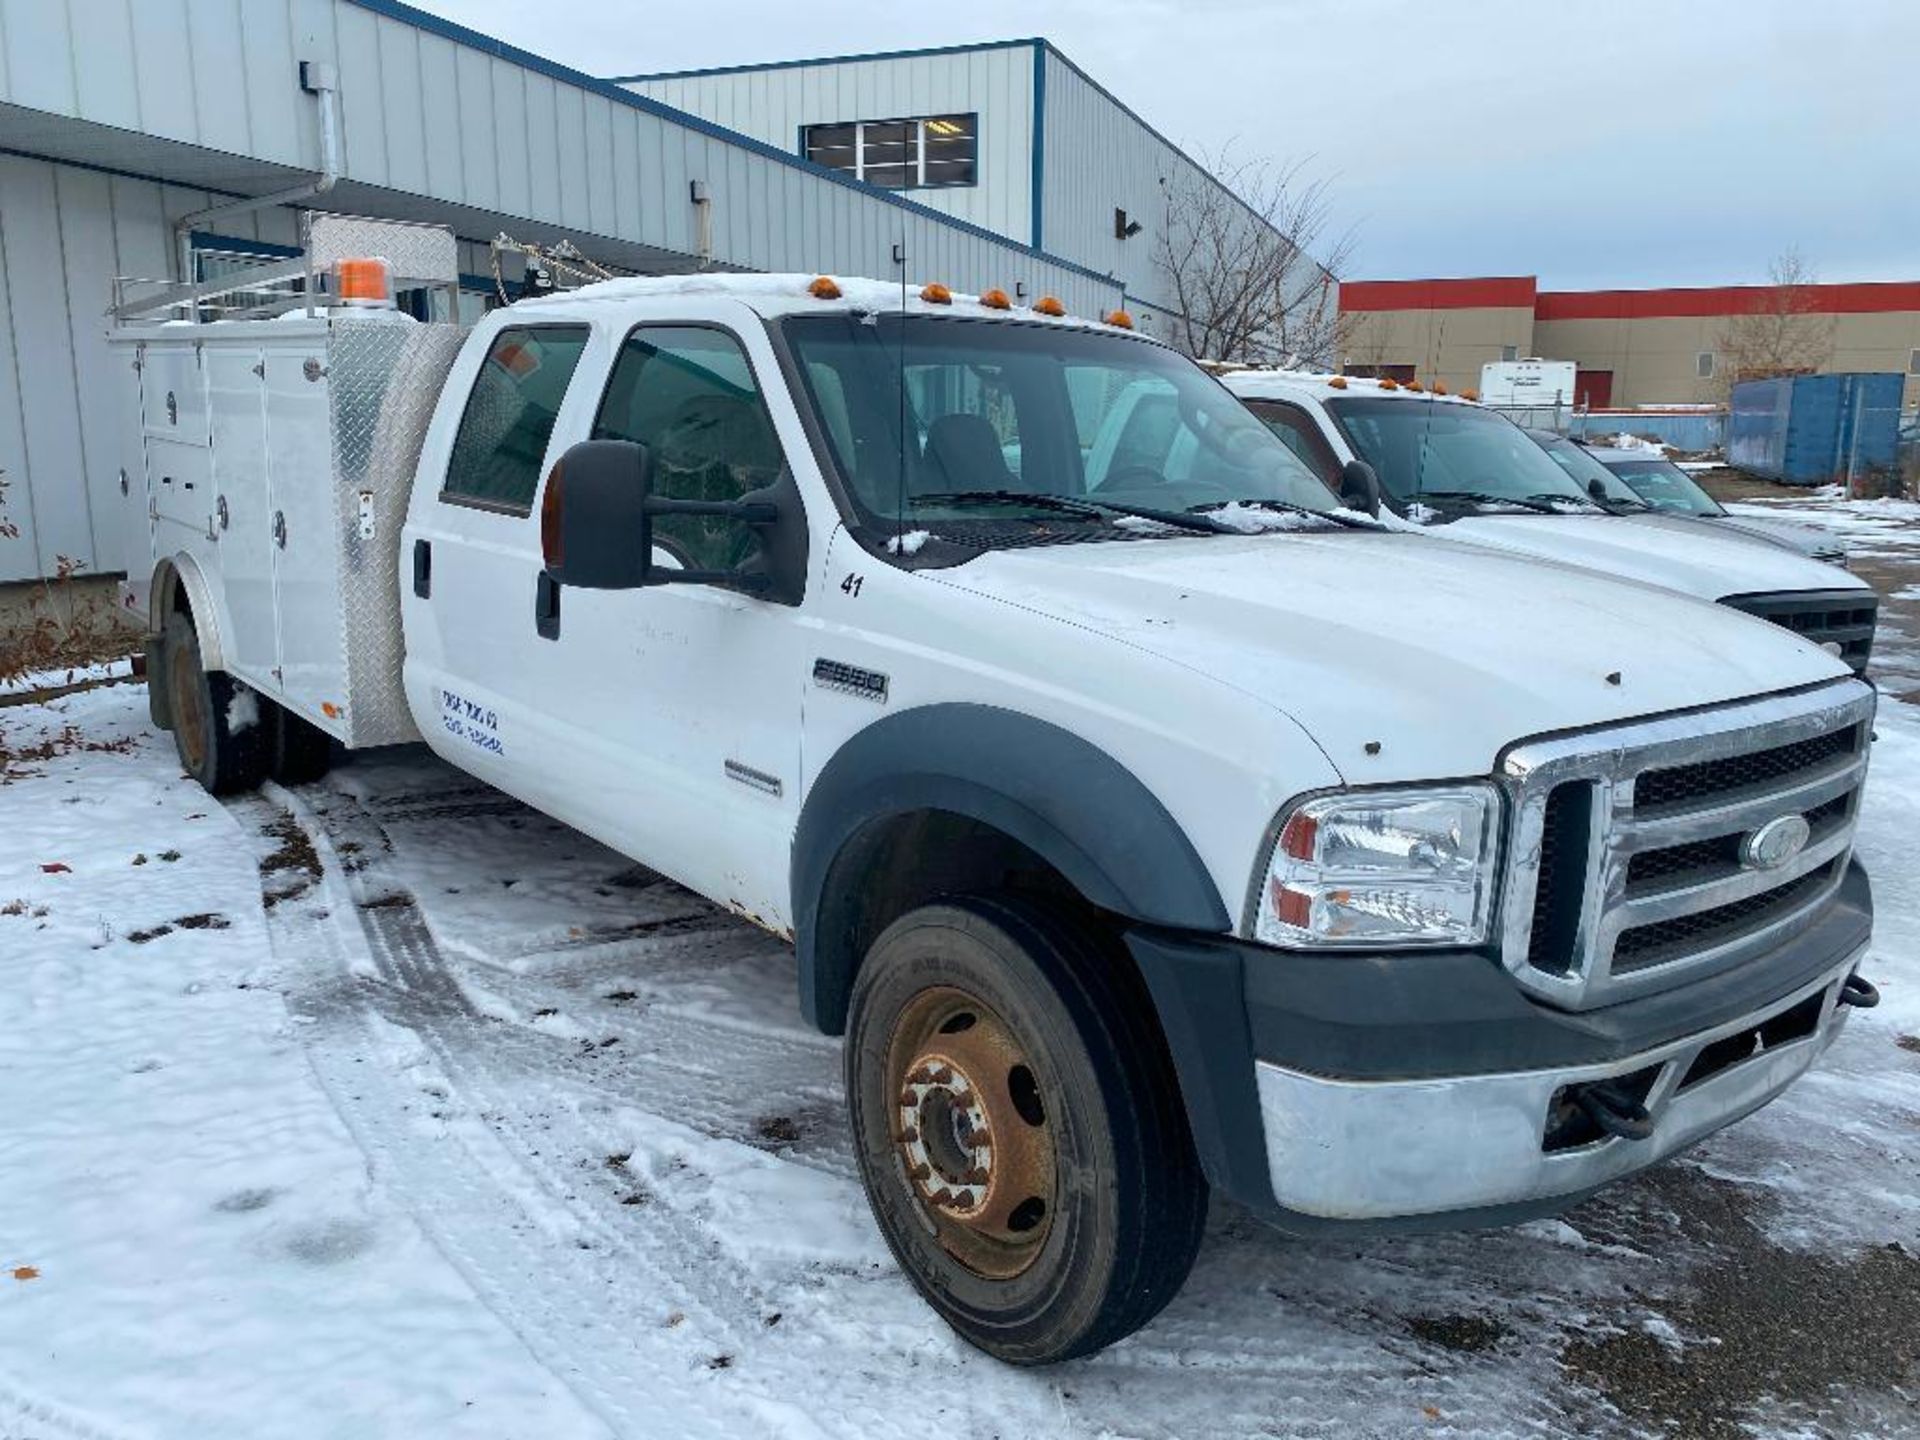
(1634,143)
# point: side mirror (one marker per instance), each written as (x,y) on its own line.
(1597,488)
(1360,487)
(593,517)
(596,522)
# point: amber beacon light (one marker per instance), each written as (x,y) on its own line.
(365,281)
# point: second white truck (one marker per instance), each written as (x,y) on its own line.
(1372,881)
(1469,473)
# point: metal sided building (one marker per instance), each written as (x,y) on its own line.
(152,138)
(1009,135)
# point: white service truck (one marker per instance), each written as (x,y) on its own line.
(1452,465)
(1372,881)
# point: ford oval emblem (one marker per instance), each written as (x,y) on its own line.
(1775,843)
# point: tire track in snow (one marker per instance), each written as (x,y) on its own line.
(691,1069)
(24,1418)
(562,1305)
(532,1132)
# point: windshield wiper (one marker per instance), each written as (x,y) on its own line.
(1621,505)
(1345,518)
(1485,497)
(1070,505)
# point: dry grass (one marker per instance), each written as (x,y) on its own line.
(64,626)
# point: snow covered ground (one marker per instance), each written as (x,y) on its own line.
(387,1107)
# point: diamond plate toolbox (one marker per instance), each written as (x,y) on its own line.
(384,381)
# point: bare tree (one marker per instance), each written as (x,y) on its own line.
(1236,250)
(1369,343)
(1782,333)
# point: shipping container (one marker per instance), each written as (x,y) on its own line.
(1817,429)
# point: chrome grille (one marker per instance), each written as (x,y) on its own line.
(1626,873)
(1842,620)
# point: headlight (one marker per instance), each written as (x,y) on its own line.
(1383,867)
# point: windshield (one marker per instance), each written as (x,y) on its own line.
(928,417)
(1584,469)
(1431,449)
(1665,486)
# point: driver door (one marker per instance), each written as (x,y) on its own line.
(679,705)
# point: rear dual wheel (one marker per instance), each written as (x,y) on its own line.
(1019,1128)
(229,736)
(218,727)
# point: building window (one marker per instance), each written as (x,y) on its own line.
(1703,364)
(1913,363)
(1509,352)
(926,153)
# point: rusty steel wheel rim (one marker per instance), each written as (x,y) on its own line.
(190,719)
(971,1132)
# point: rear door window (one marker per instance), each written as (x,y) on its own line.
(502,442)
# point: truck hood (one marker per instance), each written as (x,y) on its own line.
(1809,540)
(1440,654)
(1673,553)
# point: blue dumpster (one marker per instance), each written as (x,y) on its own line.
(1817,429)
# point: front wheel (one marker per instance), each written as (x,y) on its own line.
(1019,1128)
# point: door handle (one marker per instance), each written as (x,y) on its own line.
(422,568)
(546,607)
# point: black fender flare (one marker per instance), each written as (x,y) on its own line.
(1059,795)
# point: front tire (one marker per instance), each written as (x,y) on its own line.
(1019,1128)
(219,724)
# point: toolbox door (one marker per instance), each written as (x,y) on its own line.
(243,510)
(303,531)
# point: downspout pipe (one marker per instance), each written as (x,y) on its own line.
(321,80)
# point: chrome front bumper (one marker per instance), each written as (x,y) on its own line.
(1381,1149)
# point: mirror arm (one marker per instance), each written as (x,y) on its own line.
(752,584)
(747,512)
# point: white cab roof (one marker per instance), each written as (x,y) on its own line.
(1313,385)
(778,295)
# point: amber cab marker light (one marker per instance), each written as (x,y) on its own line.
(1413,387)
(1438,388)
(937,294)
(824,287)
(1337,382)
(1047,305)
(1389,384)
(995,300)
(1120,319)
(1473,395)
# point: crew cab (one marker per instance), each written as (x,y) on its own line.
(1447,462)
(1373,881)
